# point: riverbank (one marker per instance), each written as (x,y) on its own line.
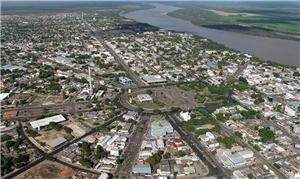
(255,18)
(268,49)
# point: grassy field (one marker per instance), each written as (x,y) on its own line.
(273,19)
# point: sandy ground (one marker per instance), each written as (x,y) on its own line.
(49,135)
(173,96)
(47,170)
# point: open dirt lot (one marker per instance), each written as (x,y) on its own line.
(49,135)
(47,170)
(175,97)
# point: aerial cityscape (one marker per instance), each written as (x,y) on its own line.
(140,89)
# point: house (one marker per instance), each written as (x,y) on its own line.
(144,98)
(185,116)
(9,114)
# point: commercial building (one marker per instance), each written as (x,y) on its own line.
(231,160)
(160,128)
(125,80)
(142,169)
(46,121)
(152,79)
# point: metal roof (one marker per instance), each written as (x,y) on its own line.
(47,120)
(56,142)
(153,79)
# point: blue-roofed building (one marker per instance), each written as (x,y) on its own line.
(125,80)
(210,62)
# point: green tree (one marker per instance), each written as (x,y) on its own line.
(227,141)
(68,130)
(266,135)
(100,152)
(85,162)
(167,155)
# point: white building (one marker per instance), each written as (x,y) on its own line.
(185,116)
(130,115)
(46,121)
(103,176)
(144,98)
(114,151)
(151,79)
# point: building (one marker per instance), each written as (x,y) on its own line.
(160,128)
(153,79)
(126,129)
(3,96)
(103,176)
(144,98)
(125,80)
(46,121)
(237,174)
(10,114)
(230,160)
(130,115)
(164,168)
(160,143)
(292,108)
(209,140)
(114,151)
(296,128)
(246,154)
(51,144)
(142,169)
(185,116)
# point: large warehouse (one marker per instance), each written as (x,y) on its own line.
(46,121)
(151,79)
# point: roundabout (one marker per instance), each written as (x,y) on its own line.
(154,100)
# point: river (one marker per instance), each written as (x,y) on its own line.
(271,49)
